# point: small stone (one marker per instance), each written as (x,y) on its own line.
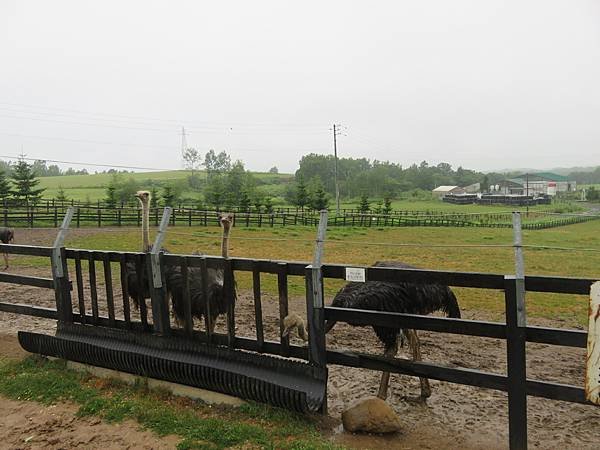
(372,415)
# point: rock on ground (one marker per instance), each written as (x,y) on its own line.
(372,415)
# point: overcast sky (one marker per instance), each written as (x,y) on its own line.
(481,84)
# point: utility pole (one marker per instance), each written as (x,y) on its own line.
(336,131)
(183,142)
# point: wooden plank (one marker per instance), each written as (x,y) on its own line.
(125,288)
(282,287)
(187,303)
(29,250)
(229,287)
(556,391)
(80,291)
(466,279)
(556,336)
(417,322)
(516,367)
(141,279)
(468,377)
(110,301)
(47,283)
(260,335)
(93,288)
(100,254)
(561,285)
(27,310)
(207,307)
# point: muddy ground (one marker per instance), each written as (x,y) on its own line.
(455,416)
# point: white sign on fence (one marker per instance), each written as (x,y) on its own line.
(356,274)
(592,375)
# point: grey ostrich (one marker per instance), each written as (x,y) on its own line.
(216,293)
(7,235)
(136,283)
(398,297)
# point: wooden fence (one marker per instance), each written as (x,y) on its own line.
(86,310)
(50,216)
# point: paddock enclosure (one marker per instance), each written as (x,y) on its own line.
(97,324)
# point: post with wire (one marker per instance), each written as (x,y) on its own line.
(315,307)
(156,278)
(516,322)
(60,272)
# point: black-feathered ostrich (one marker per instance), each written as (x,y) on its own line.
(398,297)
(217,297)
(174,278)
(7,235)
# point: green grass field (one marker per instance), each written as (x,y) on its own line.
(93,187)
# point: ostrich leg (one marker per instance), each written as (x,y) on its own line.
(389,352)
(415,347)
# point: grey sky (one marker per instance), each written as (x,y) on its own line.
(481,84)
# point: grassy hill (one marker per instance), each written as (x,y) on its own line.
(93,187)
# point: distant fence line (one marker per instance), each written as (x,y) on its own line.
(86,216)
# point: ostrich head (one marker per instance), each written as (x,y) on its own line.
(226,220)
(143,197)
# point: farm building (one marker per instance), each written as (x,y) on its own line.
(442,191)
(544,183)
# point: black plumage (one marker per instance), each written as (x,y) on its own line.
(7,235)
(399,297)
(215,291)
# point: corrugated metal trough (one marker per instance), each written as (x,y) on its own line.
(281,382)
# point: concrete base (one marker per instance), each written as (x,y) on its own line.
(210,397)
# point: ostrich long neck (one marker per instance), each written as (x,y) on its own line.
(225,242)
(145,227)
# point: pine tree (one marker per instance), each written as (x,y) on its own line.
(111,195)
(268,205)
(301,194)
(364,206)
(387,205)
(153,197)
(318,196)
(4,186)
(245,201)
(168,195)
(25,182)
(61,196)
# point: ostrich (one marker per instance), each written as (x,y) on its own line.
(138,288)
(398,297)
(7,235)
(214,285)
(174,279)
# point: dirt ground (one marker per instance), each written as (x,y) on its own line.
(29,425)
(455,416)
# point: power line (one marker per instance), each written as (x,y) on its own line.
(141,119)
(117,166)
(83,141)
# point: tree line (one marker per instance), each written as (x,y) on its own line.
(20,184)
